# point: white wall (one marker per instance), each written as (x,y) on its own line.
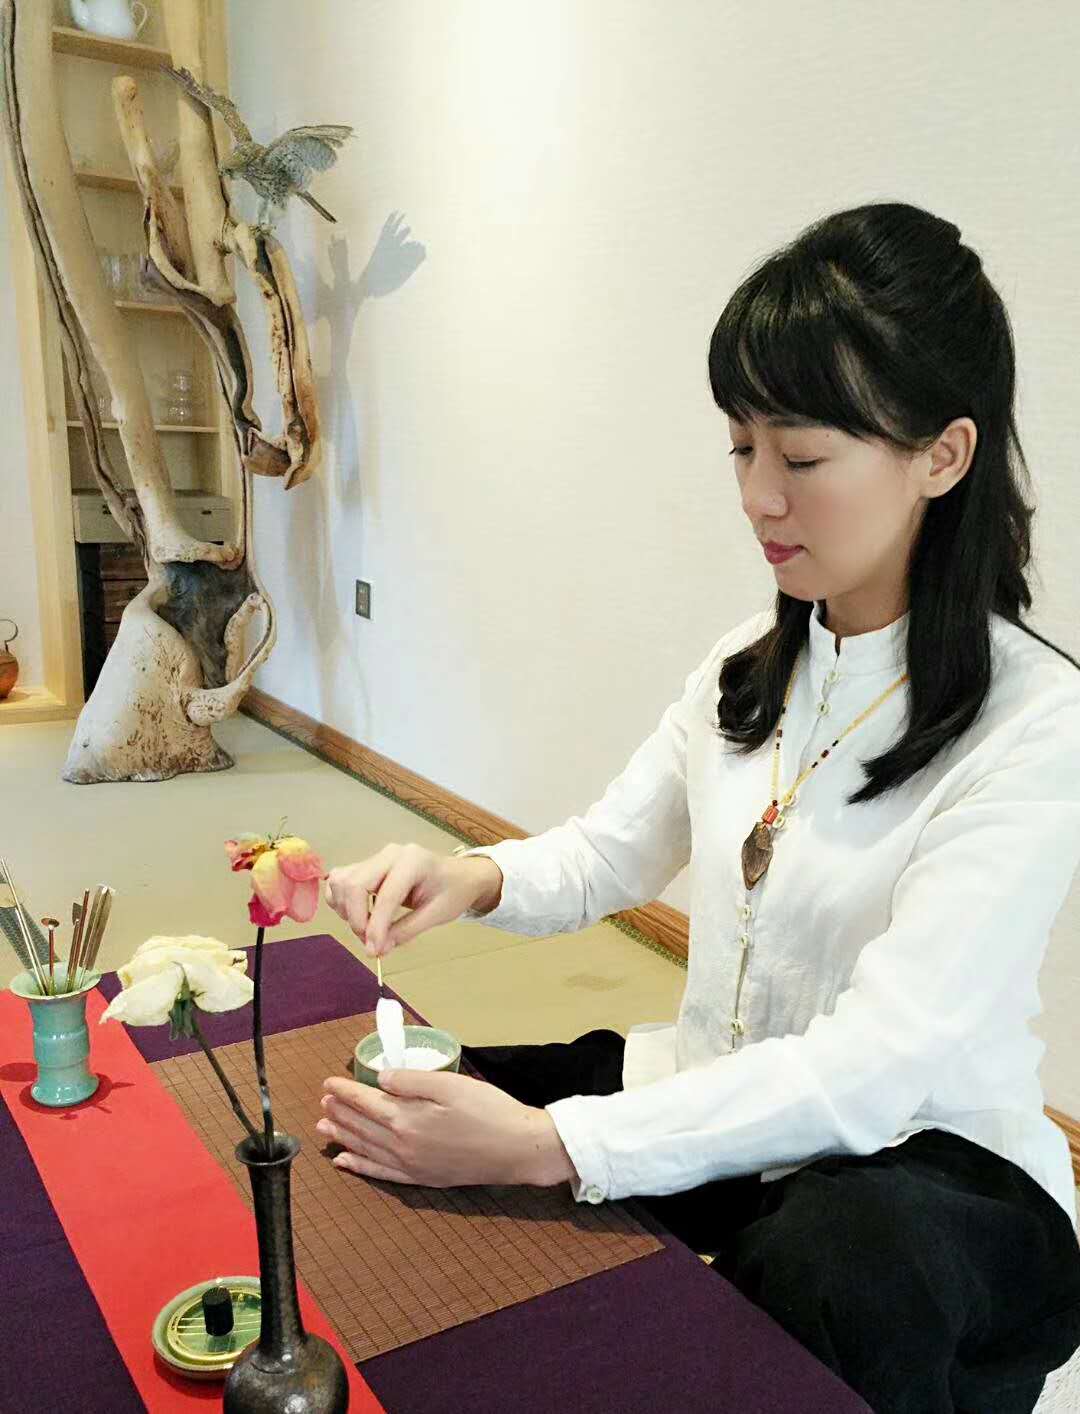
(18,564)
(525,458)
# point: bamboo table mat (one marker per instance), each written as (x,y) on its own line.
(391,1263)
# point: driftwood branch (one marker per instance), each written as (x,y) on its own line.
(297,453)
(204,200)
(301,444)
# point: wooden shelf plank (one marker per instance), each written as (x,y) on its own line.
(158,426)
(150,307)
(83,45)
(110,181)
(34,704)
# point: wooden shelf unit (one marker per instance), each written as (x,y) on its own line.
(128,52)
(202,463)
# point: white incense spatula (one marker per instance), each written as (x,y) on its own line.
(390,1024)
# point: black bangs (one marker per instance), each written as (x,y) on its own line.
(785,347)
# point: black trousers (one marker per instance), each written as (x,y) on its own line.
(934,1277)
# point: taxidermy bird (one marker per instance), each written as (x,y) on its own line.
(280,170)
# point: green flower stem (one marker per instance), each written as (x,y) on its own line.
(260,1059)
(234,1098)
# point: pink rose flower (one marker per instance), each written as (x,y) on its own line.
(285,877)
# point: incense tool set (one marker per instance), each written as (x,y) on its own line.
(56,988)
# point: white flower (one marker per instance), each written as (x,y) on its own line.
(154,978)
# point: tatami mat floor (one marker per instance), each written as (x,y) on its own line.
(160,845)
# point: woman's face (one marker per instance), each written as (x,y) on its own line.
(855,511)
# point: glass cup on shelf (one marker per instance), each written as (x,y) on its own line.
(114,272)
(178,413)
(178,408)
(103,399)
(100,394)
(129,283)
(182,382)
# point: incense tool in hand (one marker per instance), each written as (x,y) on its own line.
(372,898)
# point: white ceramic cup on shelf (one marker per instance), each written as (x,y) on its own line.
(115,19)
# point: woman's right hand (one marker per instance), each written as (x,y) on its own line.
(436,887)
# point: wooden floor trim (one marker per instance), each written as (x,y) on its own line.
(657,925)
(1072,1134)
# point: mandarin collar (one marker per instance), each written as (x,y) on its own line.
(882,650)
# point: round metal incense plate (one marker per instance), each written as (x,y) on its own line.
(180,1335)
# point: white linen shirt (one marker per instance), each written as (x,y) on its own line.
(892,950)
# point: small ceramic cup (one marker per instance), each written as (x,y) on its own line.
(427,1036)
(61,1039)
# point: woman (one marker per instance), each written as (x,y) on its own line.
(847,1113)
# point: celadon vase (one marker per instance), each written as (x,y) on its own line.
(61,1039)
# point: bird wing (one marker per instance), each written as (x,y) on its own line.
(212,99)
(300,151)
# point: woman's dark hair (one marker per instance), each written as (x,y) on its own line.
(879,322)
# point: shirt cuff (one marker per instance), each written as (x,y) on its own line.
(593,1181)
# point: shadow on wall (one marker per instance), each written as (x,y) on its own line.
(320,613)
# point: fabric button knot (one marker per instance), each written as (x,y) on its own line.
(823,709)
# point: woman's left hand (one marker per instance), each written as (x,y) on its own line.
(440,1129)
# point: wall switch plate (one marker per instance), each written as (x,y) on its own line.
(363,598)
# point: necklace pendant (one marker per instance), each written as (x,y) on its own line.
(756,853)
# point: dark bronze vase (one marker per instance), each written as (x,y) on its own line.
(288,1369)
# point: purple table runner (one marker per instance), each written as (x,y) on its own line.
(662,1332)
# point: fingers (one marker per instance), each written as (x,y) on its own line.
(341,1135)
(357,914)
(368,1102)
(358,1147)
(369,895)
(427,916)
(345,1117)
(349,889)
(417,876)
(439,1086)
(359,1135)
(347,893)
(392,892)
(389,876)
(331,892)
(370,1168)
(367,1145)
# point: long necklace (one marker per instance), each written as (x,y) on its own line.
(758,846)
